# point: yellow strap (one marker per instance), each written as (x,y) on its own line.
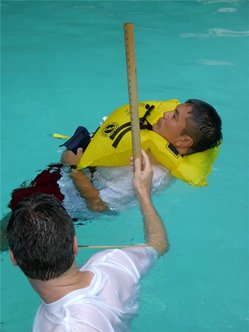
(55,135)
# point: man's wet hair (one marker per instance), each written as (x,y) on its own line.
(203,126)
(40,235)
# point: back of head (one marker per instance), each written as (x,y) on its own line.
(40,235)
(203,126)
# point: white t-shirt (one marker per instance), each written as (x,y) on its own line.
(109,303)
(116,189)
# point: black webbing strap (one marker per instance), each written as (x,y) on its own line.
(114,134)
(126,127)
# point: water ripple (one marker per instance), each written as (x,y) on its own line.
(206,2)
(227,10)
(210,62)
(214,33)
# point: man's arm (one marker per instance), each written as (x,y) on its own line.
(154,231)
(82,183)
(88,191)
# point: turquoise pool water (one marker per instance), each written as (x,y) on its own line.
(63,64)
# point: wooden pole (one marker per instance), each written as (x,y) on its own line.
(132,87)
(113,246)
(133,100)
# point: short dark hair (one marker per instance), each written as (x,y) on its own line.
(40,235)
(203,126)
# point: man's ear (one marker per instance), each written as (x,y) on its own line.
(184,141)
(12,258)
(75,245)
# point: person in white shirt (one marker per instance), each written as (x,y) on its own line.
(103,294)
(191,127)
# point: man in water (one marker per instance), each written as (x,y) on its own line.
(191,127)
(103,294)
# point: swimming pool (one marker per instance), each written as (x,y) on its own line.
(63,64)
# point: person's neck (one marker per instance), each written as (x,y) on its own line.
(182,151)
(54,289)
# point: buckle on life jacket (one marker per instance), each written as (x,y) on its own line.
(126,127)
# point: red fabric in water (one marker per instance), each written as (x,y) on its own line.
(45,182)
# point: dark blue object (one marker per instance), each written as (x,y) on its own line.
(80,139)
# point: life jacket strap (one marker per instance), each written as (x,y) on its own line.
(126,127)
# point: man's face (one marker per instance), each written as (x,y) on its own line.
(172,124)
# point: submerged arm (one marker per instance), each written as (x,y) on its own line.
(82,183)
(88,191)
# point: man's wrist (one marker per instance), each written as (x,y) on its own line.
(69,168)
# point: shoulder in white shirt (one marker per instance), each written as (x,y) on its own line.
(109,303)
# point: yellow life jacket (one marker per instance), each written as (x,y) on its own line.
(111,144)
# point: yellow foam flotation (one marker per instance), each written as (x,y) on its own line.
(111,145)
